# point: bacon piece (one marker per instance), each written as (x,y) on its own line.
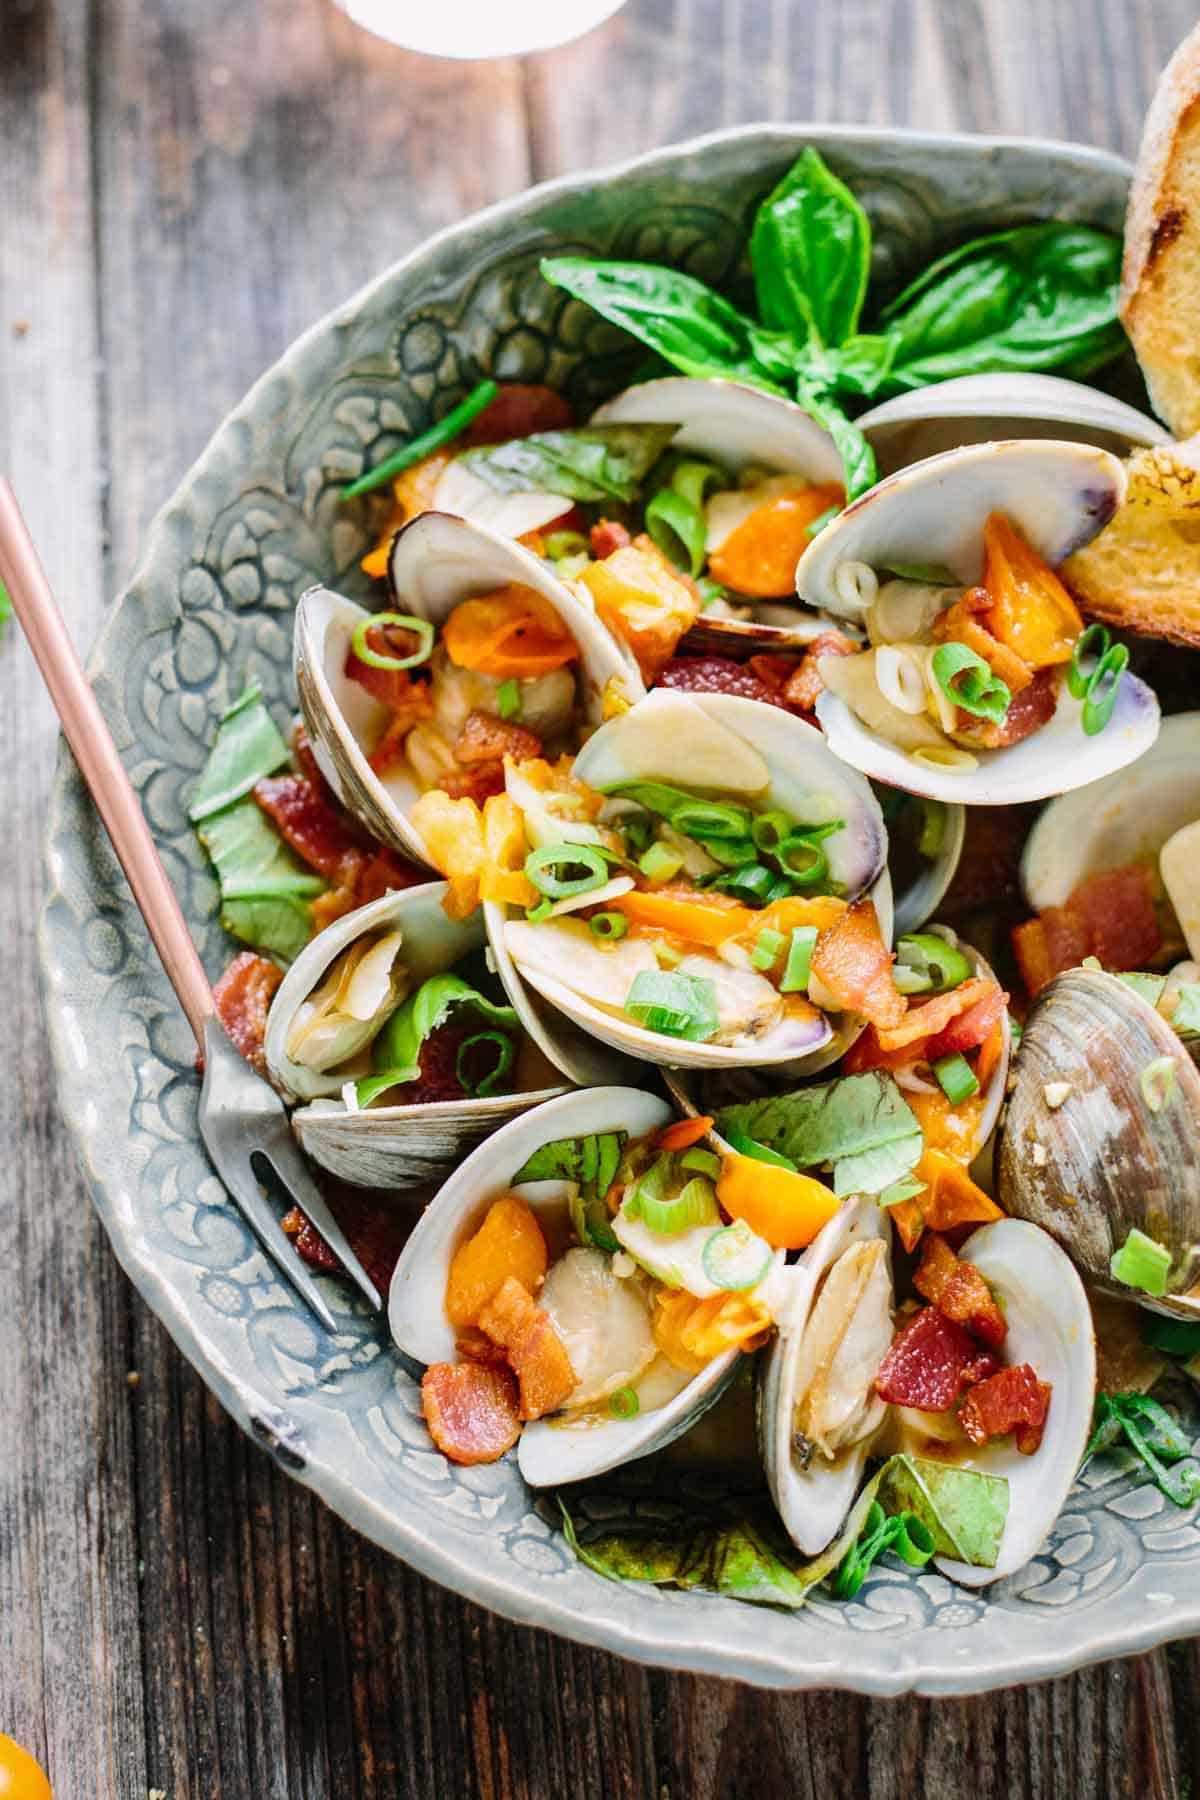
(479,784)
(315,831)
(962,624)
(958,1290)
(398,688)
(1011,1400)
(973,1026)
(387,872)
(1116,909)
(333,904)
(805,687)
(931,1360)
(519,409)
(471,1411)
(485,739)
(1045,946)
(243,1000)
(717,675)
(475,1346)
(774,670)
(1032,708)
(851,961)
(932,1016)
(606,536)
(534,1348)
(375,1229)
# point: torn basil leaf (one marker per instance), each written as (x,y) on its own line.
(590,1164)
(599,462)
(965,1510)
(265,889)
(861,1124)
(396,1053)
(247,747)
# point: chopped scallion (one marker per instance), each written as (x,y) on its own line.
(678,529)
(608,925)
(504,1060)
(1174,1337)
(508,698)
(768,946)
(796,970)
(659,864)
(683,1006)
(735,1258)
(548,868)
(375,659)
(956,1078)
(1142,1263)
(748,1146)
(560,544)
(752,884)
(624,1404)
(966,679)
(1103,688)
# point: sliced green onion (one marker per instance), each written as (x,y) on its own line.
(421,628)
(688,813)
(803,861)
(956,1078)
(817,525)
(731,853)
(1185,1017)
(608,925)
(931,574)
(695,1204)
(659,864)
(504,1061)
(735,1258)
(1090,650)
(967,680)
(1153,1435)
(701,1161)
(1102,689)
(748,1146)
(1142,1263)
(637,830)
(683,1006)
(911,981)
(933,828)
(560,544)
(547,869)
(508,698)
(938,965)
(796,969)
(543,909)
(678,529)
(624,1404)
(770,830)
(903,1533)
(751,884)
(1174,1337)
(782,889)
(455,421)
(1157,1082)
(768,946)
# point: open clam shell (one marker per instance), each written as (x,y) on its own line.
(738,427)
(1049,1326)
(919,896)
(1102,1133)
(436,561)
(551,1450)
(703,741)
(812,1492)
(1127,817)
(976,409)
(391,1146)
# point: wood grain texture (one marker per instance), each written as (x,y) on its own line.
(184,185)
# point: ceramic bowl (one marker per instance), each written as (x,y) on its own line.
(255,522)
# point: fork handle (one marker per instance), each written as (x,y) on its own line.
(101,767)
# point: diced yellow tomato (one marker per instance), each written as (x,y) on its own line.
(503,879)
(690,1332)
(1031,610)
(452,831)
(642,598)
(759,556)
(785,1208)
(512,633)
(509,1243)
(707,919)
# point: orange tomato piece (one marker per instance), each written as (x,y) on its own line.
(926,1020)
(1031,610)
(783,915)
(707,919)
(786,1208)
(759,556)
(509,1243)
(512,632)
(21,1778)
(684,1133)
(944,1127)
(690,1332)
(644,600)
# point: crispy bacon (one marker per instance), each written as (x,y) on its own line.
(606,536)
(375,1230)
(1045,946)
(306,760)
(485,739)
(1028,711)
(961,622)
(333,904)
(852,962)
(519,409)
(931,1360)
(1011,1400)
(958,1290)
(1111,916)
(478,784)
(534,1348)
(933,1016)
(805,687)
(315,831)
(243,999)
(386,873)
(717,675)
(471,1411)
(973,1026)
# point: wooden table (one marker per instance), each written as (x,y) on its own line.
(184,186)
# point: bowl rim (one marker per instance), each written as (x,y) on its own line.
(415,1544)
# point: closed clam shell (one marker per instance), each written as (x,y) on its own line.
(391,1146)
(552,1450)
(1093,1146)
(976,409)
(436,561)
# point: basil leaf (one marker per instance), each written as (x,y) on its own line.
(1037,297)
(590,1164)
(696,330)
(810,250)
(599,462)
(860,1123)
(966,1511)
(247,747)
(858,458)
(1186,1017)
(396,1054)
(265,889)
(862,364)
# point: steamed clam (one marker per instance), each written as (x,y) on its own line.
(1101,1139)
(963,693)
(382,736)
(348,1026)
(977,409)
(709,829)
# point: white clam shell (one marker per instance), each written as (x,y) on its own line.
(1124,818)
(739,427)
(920,900)
(436,561)
(685,738)
(1050,1326)
(975,409)
(390,1146)
(811,1502)
(549,1452)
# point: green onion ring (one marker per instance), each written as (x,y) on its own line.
(504,1062)
(1094,642)
(811,872)
(982,694)
(422,628)
(541,864)
(1102,689)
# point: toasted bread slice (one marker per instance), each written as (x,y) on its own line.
(1160,281)
(1142,573)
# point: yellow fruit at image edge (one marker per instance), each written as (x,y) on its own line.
(20,1777)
